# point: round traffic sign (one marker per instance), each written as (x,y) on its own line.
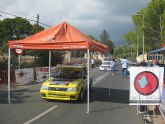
(18,51)
(146,83)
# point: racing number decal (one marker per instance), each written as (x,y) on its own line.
(146,83)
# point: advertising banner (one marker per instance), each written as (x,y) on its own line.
(146,85)
(42,73)
(24,76)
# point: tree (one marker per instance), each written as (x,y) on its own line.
(105,39)
(77,54)
(163,28)
(154,21)
(153,24)
(36,28)
(22,28)
(56,58)
(133,42)
(15,29)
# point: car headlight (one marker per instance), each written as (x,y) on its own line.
(72,89)
(44,87)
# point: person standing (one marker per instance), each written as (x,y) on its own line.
(93,62)
(124,65)
(113,64)
(155,63)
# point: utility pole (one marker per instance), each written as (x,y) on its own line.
(137,45)
(37,23)
(37,32)
(143,31)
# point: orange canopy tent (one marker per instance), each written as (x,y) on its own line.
(61,37)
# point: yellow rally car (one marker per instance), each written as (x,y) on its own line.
(66,83)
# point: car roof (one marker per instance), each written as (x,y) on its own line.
(72,66)
(107,61)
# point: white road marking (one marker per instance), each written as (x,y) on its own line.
(40,115)
(99,78)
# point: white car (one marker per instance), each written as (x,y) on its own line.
(106,65)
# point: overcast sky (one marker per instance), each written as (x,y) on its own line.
(89,16)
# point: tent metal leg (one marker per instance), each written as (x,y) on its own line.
(87,81)
(50,54)
(9,101)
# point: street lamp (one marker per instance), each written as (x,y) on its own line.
(143,31)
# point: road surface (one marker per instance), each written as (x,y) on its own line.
(109,104)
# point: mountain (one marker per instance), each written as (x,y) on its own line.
(118,43)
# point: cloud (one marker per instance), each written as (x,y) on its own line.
(90,16)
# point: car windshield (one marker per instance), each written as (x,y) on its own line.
(106,63)
(67,74)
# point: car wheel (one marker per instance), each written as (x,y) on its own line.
(81,96)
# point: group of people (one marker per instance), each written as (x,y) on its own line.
(125,64)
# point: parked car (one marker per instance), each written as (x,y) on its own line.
(106,65)
(66,83)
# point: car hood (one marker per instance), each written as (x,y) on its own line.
(62,82)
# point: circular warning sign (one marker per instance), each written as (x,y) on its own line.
(19,51)
(146,83)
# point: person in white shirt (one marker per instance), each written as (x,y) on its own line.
(124,64)
(93,62)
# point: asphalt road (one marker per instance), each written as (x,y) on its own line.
(109,104)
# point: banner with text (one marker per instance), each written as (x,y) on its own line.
(42,73)
(24,76)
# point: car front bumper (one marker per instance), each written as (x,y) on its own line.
(58,95)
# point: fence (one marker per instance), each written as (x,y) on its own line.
(4,76)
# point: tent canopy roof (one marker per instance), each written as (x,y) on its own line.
(61,37)
(158,50)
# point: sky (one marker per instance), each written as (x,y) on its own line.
(89,16)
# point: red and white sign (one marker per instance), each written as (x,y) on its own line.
(146,85)
(42,73)
(24,76)
(19,51)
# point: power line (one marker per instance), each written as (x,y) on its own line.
(24,14)
(25,18)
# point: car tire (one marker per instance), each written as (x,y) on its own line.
(81,96)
